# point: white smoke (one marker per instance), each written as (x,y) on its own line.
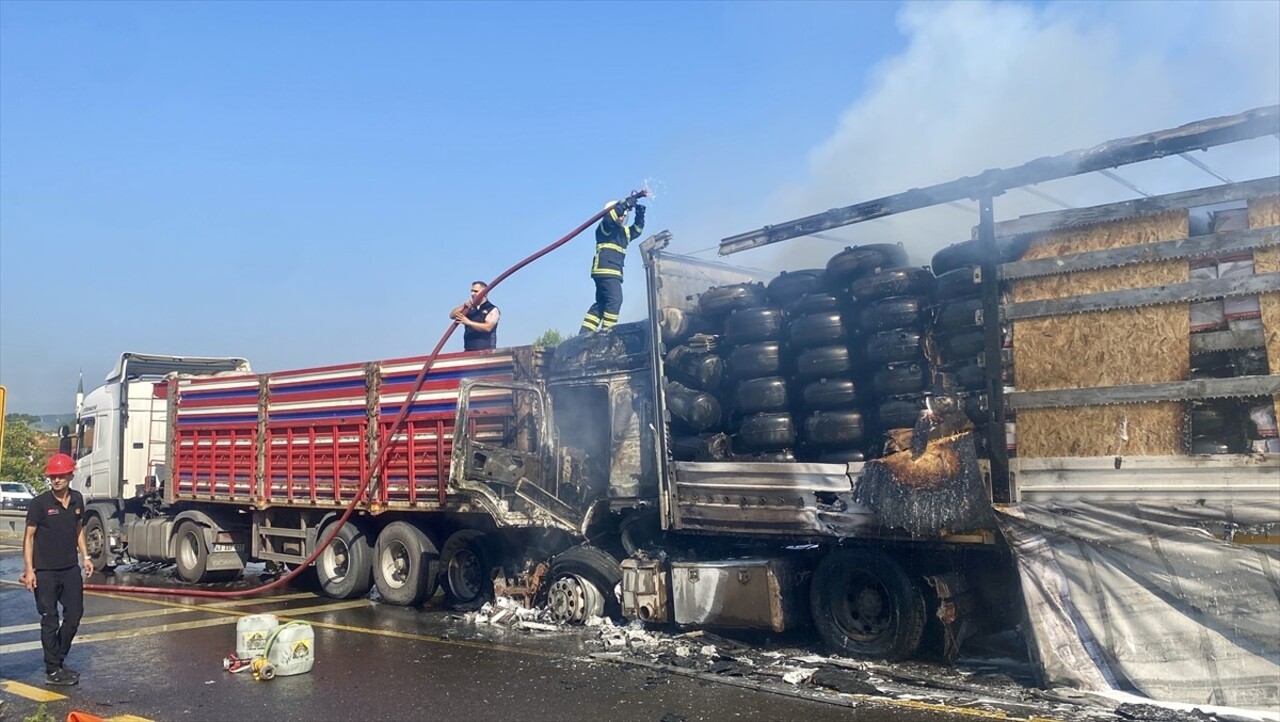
(983,85)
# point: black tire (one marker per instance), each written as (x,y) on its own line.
(965,282)
(699,410)
(865,606)
(704,447)
(764,394)
(813,303)
(900,379)
(754,360)
(1205,420)
(833,429)
(345,568)
(594,566)
(828,394)
(465,565)
(906,281)
(856,261)
(786,456)
(817,329)
(899,345)
(406,565)
(893,312)
(959,316)
(191,556)
(824,362)
(677,325)
(789,286)
(962,345)
(899,413)
(845,456)
(765,432)
(976,409)
(718,301)
(98,545)
(957,255)
(751,325)
(697,369)
(968,376)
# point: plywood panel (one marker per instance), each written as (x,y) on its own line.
(1265,212)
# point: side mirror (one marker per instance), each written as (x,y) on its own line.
(64,445)
(64,432)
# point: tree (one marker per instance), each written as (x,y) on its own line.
(549,338)
(23,453)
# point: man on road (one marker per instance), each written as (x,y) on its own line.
(55,532)
(612,236)
(479,320)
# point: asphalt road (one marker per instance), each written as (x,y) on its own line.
(160,658)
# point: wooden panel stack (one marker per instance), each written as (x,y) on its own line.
(1106,348)
(1264,212)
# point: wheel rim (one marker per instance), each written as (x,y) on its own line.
(95,541)
(335,562)
(865,611)
(189,551)
(395,563)
(465,575)
(573,599)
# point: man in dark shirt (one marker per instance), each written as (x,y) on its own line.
(55,532)
(480,320)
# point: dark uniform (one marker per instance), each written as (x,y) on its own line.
(58,577)
(612,238)
(475,339)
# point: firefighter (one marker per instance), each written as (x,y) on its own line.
(55,532)
(612,236)
(480,320)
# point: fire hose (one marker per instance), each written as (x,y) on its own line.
(381,459)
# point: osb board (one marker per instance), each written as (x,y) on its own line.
(1265,212)
(1106,348)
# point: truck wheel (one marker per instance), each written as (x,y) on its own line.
(865,606)
(582,583)
(908,281)
(789,286)
(192,556)
(466,562)
(345,568)
(406,565)
(96,542)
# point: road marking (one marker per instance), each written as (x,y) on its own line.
(35,694)
(102,619)
(263,600)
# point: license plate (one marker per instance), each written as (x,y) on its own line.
(228,547)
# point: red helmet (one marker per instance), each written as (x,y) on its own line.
(59,464)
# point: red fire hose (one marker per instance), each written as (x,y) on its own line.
(382,453)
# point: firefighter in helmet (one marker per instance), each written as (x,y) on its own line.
(612,237)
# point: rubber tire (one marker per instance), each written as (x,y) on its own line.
(765,432)
(1205,421)
(754,360)
(358,579)
(962,345)
(829,394)
(844,456)
(813,303)
(893,312)
(829,601)
(899,413)
(595,566)
(817,329)
(763,394)
(856,261)
(475,570)
(960,283)
(833,429)
(752,325)
(695,369)
(789,286)
(103,559)
(420,575)
(718,301)
(899,345)
(905,281)
(900,380)
(969,376)
(958,316)
(824,362)
(194,569)
(957,255)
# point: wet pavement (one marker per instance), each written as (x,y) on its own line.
(160,658)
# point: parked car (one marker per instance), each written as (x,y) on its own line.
(15,495)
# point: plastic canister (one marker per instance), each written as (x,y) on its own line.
(252,632)
(291,649)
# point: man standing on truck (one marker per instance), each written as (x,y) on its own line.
(480,320)
(612,236)
(55,532)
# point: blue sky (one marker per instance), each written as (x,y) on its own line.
(314,183)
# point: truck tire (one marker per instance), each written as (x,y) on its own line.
(718,301)
(789,286)
(406,565)
(465,564)
(855,262)
(959,316)
(754,360)
(865,606)
(833,429)
(677,325)
(817,329)
(962,345)
(969,376)
(817,302)
(893,312)
(827,394)
(900,379)
(904,281)
(750,325)
(964,282)
(844,456)
(957,255)
(765,432)
(576,568)
(765,394)
(696,369)
(191,556)
(98,545)
(899,413)
(345,568)
(824,362)
(899,345)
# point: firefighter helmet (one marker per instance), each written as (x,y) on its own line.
(59,465)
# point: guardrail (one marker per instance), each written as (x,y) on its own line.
(12,523)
